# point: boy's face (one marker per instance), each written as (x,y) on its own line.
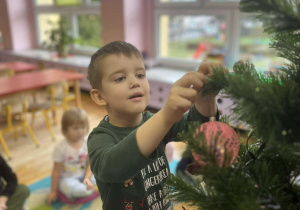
(124,86)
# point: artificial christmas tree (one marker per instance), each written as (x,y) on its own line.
(264,175)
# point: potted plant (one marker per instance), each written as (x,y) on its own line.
(59,38)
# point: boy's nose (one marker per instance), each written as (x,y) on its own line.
(134,83)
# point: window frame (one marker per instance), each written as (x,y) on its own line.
(71,13)
(201,7)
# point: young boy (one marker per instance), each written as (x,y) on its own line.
(127,148)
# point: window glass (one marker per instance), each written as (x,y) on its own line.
(46,22)
(83,22)
(254,45)
(192,36)
(164,1)
(68,2)
(44,2)
(89,28)
(224,0)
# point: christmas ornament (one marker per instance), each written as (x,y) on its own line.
(221,138)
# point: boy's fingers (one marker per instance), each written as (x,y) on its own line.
(182,105)
(195,80)
(206,68)
(183,99)
(186,93)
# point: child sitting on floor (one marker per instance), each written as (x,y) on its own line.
(12,194)
(71,172)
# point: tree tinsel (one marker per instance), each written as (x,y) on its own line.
(265,172)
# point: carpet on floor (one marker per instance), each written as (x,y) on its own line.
(40,190)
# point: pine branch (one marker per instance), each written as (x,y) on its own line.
(292,71)
(276,15)
(272,172)
(184,192)
(288,46)
(269,100)
(216,82)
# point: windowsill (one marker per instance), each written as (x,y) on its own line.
(44,55)
(164,75)
(78,63)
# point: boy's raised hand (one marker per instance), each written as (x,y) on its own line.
(182,95)
(187,91)
(206,105)
(206,68)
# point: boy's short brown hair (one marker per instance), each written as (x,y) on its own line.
(113,48)
(73,116)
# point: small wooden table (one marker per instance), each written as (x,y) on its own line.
(18,66)
(39,79)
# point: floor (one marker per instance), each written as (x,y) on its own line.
(31,163)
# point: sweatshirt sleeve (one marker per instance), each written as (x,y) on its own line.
(10,178)
(115,162)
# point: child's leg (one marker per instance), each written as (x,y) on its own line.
(17,200)
(74,188)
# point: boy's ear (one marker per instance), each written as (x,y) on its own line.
(97,97)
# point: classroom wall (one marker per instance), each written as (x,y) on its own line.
(5,26)
(130,21)
(133,20)
(112,20)
(17,24)
(148,27)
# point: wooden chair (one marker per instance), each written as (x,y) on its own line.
(55,97)
(7,73)
(70,96)
(12,117)
(64,94)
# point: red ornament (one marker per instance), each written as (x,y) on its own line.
(221,138)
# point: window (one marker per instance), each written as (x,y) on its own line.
(254,45)
(68,2)
(190,31)
(45,23)
(44,2)
(82,17)
(89,33)
(177,1)
(225,0)
(191,36)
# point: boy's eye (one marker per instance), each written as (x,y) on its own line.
(141,76)
(119,79)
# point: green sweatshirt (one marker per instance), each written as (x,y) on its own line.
(115,158)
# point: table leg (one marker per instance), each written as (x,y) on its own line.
(78,94)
